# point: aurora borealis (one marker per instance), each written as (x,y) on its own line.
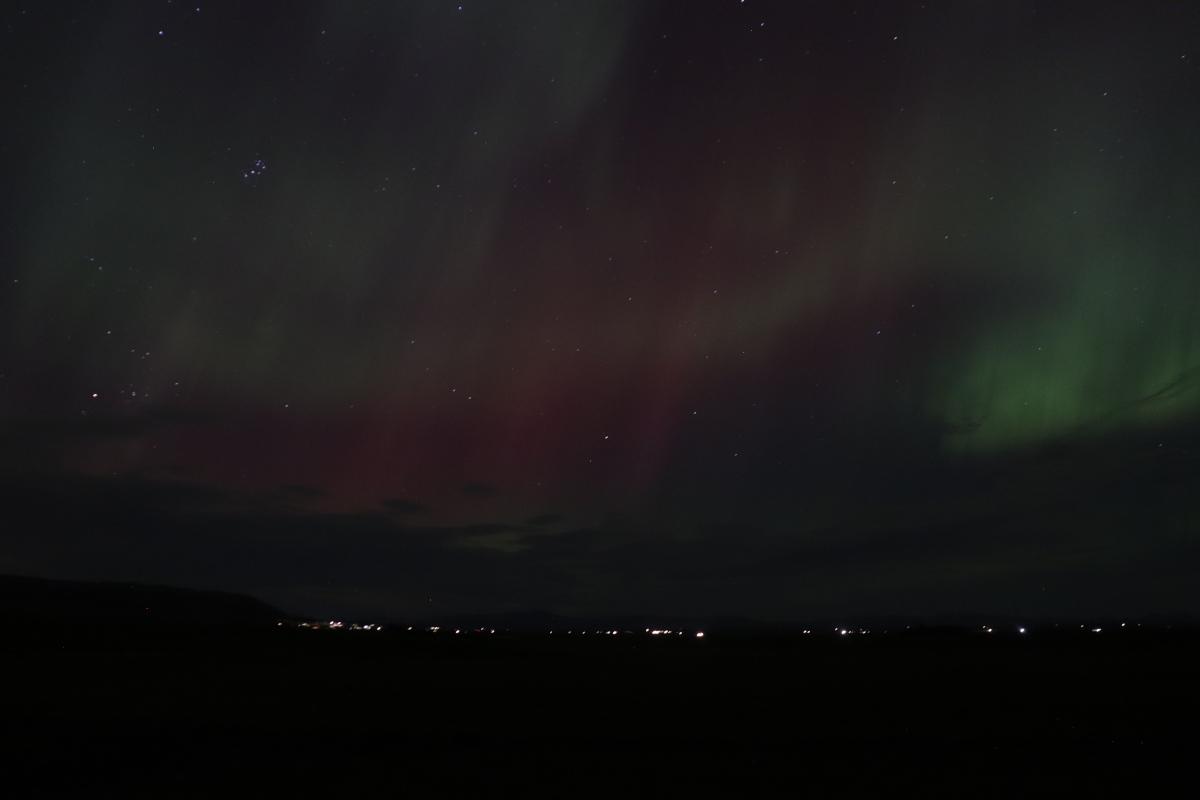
(753,308)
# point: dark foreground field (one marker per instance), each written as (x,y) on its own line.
(203,712)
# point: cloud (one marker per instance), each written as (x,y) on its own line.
(400,506)
(994,531)
(301,491)
(78,428)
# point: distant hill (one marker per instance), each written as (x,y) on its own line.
(25,600)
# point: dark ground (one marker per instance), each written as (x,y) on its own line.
(187,711)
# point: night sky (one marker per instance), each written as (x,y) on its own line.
(776,310)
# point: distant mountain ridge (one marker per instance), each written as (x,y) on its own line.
(26,600)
